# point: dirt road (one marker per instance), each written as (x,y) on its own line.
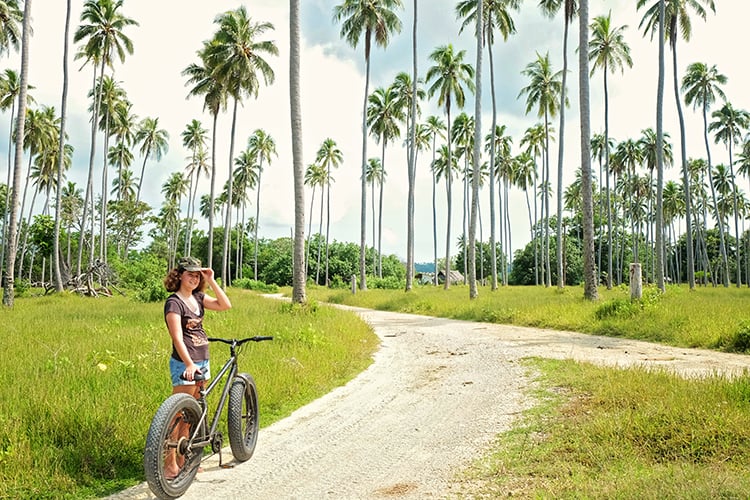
(437,393)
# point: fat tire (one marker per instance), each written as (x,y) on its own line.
(242,417)
(161,428)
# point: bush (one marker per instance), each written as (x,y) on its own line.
(143,274)
(739,341)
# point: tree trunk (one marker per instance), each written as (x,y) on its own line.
(412,161)
(298,280)
(659,236)
(589,262)
(8,291)
(225,260)
(473,292)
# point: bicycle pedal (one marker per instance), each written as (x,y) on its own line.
(227,466)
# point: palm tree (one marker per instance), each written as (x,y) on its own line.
(496,17)
(450,76)
(543,92)
(246,177)
(298,279)
(102,30)
(677,20)
(154,142)
(383,114)
(435,128)
(535,140)
(71,204)
(236,56)
(375,175)
(444,167)
(701,86)
(375,19)
(408,95)
(176,186)
(205,83)
(61,155)
(329,155)
(194,138)
(550,8)
(315,176)
(505,165)
(462,136)
(728,126)
(263,146)
(8,291)
(609,51)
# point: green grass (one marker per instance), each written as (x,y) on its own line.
(84,377)
(712,318)
(605,433)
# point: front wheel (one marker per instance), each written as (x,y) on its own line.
(242,417)
(170,462)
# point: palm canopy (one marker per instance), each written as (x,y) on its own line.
(496,17)
(701,85)
(728,124)
(676,17)
(262,145)
(329,154)
(203,81)
(544,88)
(194,136)
(235,53)
(607,48)
(384,114)
(11,17)
(373,18)
(154,141)
(102,28)
(449,75)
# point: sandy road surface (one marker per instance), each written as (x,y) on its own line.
(436,395)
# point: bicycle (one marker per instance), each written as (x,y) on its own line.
(184,411)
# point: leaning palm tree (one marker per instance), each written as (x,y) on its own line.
(728,126)
(608,51)
(701,86)
(237,57)
(677,20)
(543,91)
(329,156)
(375,20)
(450,77)
(8,291)
(298,275)
(496,17)
(263,146)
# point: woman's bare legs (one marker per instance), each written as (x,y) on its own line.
(173,463)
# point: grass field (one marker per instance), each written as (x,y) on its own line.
(86,376)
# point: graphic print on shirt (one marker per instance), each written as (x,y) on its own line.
(193,330)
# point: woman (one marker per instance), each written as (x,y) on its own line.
(183,313)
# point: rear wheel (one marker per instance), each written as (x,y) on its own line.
(242,417)
(170,462)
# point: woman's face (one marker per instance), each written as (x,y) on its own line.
(191,279)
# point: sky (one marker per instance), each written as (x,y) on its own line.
(170,33)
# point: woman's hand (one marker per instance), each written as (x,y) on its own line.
(190,370)
(207,273)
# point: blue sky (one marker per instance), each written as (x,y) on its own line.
(333,86)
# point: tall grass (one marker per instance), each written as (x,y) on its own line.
(605,433)
(85,376)
(713,318)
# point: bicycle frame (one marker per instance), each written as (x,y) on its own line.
(231,367)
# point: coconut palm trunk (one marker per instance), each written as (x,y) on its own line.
(8,291)
(298,279)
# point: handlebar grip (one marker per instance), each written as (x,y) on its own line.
(197,376)
(258,339)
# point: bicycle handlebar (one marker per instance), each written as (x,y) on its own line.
(257,338)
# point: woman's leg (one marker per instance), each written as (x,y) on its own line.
(172,462)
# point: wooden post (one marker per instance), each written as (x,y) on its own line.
(354,284)
(636,281)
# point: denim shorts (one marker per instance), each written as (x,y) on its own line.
(177,368)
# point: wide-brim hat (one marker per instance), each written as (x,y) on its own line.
(189,264)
